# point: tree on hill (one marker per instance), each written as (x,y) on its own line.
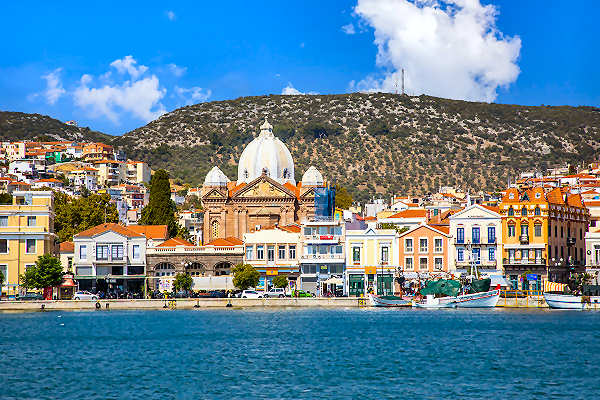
(280,281)
(343,199)
(245,276)
(182,282)
(75,215)
(160,209)
(47,272)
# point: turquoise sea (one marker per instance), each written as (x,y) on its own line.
(301,354)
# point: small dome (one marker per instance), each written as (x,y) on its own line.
(267,155)
(312,177)
(216,177)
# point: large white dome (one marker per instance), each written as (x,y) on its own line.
(266,154)
(216,177)
(312,177)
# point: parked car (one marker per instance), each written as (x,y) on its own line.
(275,292)
(302,293)
(30,296)
(251,294)
(84,295)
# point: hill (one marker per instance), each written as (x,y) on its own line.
(16,126)
(374,143)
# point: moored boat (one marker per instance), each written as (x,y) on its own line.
(387,301)
(487,299)
(572,302)
(448,297)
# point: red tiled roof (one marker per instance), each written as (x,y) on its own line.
(120,229)
(67,247)
(175,242)
(151,231)
(229,241)
(410,214)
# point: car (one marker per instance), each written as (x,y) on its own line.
(30,296)
(251,294)
(275,292)
(302,293)
(84,295)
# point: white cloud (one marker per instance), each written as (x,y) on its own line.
(348,29)
(54,88)
(291,90)
(448,48)
(177,70)
(141,98)
(171,15)
(127,65)
(192,95)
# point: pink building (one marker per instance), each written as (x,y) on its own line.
(425,249)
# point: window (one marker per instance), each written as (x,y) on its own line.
(561,231)
(4,220)
(281,252)
(538,255)
(511,230)
(524,211)
(476,254)
(4,249)
(437,244)
(4,271)
(408,245)
(385,254)
(524,230)
(30,246)
(580,234)
(292,250)
(555,231)
(537,211)
(31,221)
(248,252)
(460,254)
(339,249)
(511,255)
(511,196)
(102,252)
(308,230)
(215,229)
(525,254)
(423,263)
(476,234)
(439,263)
(337,230)
(271,253)
(511,211)
(356,254)
(83,252)
(423,247)
(491,234)
(136,251)
(324,230)
(492,254)
(460,235)
(116,252)
(260,252)
(408,264)
(549,229)
(537,230)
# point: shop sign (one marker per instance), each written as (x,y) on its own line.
(326,237)
(532,277)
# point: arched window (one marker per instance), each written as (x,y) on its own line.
(511,211)
(246,174)
(214,227)
(537,211)
(286,173)
(195,269)
(524,211)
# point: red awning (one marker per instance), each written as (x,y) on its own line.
(67,282)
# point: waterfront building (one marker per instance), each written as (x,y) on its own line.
(66,253)
(423,251)
(112,257)
(408,219)
(592,251)
(26,232)
(477,240)
(265,193)
(272,252)
(322,261)
(542,235)
(371,261)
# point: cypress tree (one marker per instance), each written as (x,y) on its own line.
(160,209)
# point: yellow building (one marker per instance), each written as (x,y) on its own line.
(26,232)
(542,235)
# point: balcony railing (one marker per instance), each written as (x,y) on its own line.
(322,256)
(524,261)
(524,239)
(328,238)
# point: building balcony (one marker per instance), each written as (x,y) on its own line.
(111,260)
(322,257)
(479,264)
(324,238)
(524,239)
(526,261)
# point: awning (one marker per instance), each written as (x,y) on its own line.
(498,280)
(334,281)
(67,282)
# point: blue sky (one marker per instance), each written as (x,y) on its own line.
(70,60)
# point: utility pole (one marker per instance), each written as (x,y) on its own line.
(402,81)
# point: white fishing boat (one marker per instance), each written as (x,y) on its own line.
(387,301)
(572,302)
(434,302)
(487,299)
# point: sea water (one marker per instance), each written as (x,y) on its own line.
(301,354)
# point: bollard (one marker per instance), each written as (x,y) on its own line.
(43,307)
(107,305)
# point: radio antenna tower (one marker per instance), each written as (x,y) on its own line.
(402,81)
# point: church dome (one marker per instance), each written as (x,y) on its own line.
(312,177)
(266,154)
(216,177)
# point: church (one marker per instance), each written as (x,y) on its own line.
(264,195)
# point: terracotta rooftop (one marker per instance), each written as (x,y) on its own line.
(98,229)
(67,247)
(229,241)
(410,214)
(175,242)
(151,231)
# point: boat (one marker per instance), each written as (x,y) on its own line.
(480,296)
(487,299)
(572,302)
(431,301)
(387,301)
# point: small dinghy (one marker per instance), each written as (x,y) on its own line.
(387,301)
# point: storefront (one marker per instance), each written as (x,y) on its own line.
(356,285)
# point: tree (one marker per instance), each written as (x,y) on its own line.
(280,281)
(245,276)
(160,209)
(47,272)
(343,199)
(182,282)
(75,215)
(5,198)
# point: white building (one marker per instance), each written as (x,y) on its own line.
(477,240)
(592,251)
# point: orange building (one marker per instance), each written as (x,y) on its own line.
(98,151)
(424,249)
